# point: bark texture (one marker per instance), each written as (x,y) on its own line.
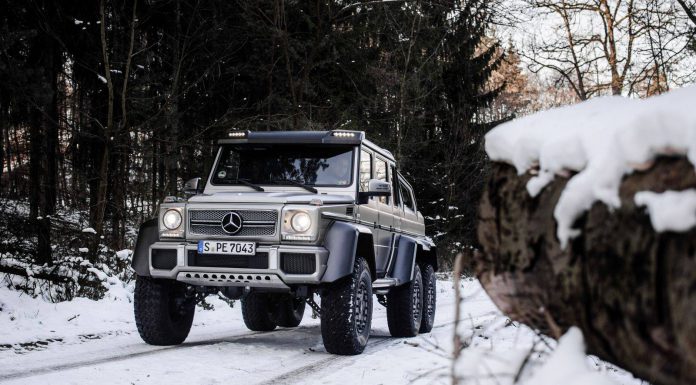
(631,290)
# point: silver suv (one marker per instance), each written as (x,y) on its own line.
(281,217)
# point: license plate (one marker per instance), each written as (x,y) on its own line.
(226,247)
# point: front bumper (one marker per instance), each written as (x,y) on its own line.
(271,277)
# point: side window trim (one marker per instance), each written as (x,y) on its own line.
(365,151)
(377,160)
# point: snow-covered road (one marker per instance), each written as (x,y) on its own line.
(221,350)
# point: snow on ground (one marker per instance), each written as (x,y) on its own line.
(602,139)
(84,341)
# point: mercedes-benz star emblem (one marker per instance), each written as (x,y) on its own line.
(231,223)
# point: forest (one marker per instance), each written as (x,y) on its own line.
(551,146)
(108,106)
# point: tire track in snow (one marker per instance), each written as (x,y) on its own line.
(126,356)
(298,375)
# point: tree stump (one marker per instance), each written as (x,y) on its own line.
(631,290)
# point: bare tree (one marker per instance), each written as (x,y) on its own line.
(608,46)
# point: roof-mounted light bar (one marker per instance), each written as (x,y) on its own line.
(237,134)
(343,134)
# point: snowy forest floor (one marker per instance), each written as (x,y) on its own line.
(85,341)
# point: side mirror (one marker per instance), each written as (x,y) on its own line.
(193,186)
(375,188)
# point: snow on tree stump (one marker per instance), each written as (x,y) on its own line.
(630,288)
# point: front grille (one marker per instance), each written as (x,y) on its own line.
(258,261)
(164,259)
(298,263)
(256,223)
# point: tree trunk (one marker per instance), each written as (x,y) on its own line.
(631,290)
(107,136)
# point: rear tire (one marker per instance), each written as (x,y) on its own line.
(346,311)
(163,314)
(289,311)
(404,307)
(429,299)
(257,311)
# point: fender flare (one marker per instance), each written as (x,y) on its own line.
(427,253)
(147,235)
(344,241)
(409,252)
(405,260)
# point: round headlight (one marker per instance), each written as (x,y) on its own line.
(172,219)
(301,222)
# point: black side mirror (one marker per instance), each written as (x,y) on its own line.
(375,188)
(193,186)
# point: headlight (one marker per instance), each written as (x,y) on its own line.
(301,222)
(171,219)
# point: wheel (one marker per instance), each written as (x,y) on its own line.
(346,311)
(163,313)
(288,311)
(429,299)
(404,305)
(257,311)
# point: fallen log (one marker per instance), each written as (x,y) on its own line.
(630,289)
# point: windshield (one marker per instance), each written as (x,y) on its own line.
(285,163)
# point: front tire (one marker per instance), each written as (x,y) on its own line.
(404,307)
(257,311)
(163,313)
(346,312)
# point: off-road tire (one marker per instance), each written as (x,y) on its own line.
(429,298)
(257,311)
(163,314)
(289,311)
(404,307)
(346,311)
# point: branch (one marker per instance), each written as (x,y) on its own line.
(688,11)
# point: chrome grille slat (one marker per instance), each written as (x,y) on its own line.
(256,222)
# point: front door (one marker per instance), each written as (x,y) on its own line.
(385,206)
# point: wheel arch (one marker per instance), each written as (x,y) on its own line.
(426,254)
(412,251)
(345,241)
(147,235)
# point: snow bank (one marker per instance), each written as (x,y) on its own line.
(670,210)
(24,319)
(568,365)
(602,140)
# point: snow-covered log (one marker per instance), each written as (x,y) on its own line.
(588,220)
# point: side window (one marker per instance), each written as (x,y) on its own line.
(381,174)
(365,169)
(407,196)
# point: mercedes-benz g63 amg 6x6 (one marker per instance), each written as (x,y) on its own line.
(281,217)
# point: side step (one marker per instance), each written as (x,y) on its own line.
(384,283)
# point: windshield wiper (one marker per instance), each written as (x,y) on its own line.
(298,184)
(247,183)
